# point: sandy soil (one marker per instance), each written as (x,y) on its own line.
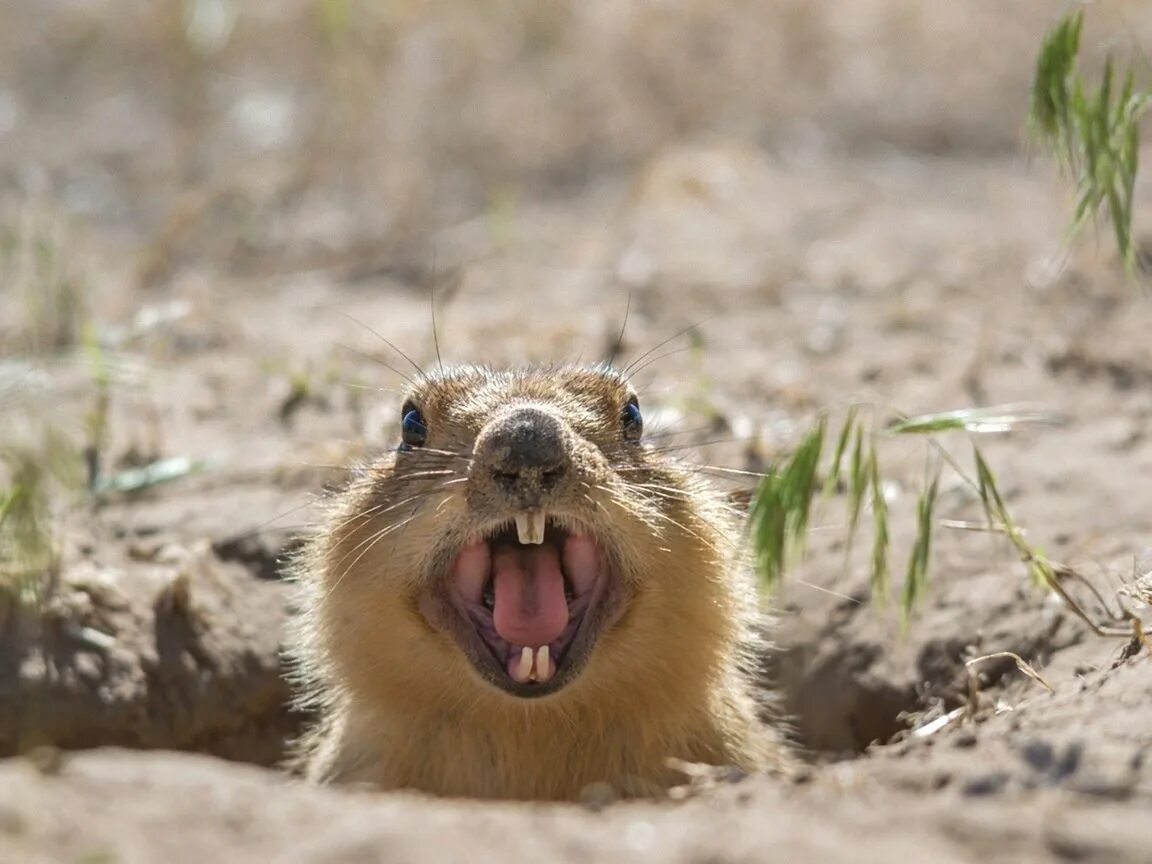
(843,204)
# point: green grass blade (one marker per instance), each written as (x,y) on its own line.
(879,529)
(1094,134)
(916,579)
(833,479)
(1003,418)
(990,497)
(858,484)
(6,506)
(766,523)
(1055,65)
(1121,222)
(782,505)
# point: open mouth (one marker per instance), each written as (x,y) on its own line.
(530,596)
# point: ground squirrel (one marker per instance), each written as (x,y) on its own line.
(525,598)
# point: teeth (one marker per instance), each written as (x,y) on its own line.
(524,671)
(530,527)
(534,665)
(543,666)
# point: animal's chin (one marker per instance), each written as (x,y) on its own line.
(528,614)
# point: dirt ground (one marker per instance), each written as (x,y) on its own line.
(207,208)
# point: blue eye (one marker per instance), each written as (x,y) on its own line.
(413,429)
(631,420)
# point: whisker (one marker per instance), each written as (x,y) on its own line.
(713,442)
(432,306)
(683,464)
(614,348)
(252,532)
(656,359)
(672,338)
(626,506)
(738,472)
(447,498)
(666,491)
(416,475)
(378,335)
(386,529)
(432,451)
(622,450)
(838,594)
(668,433)
(356,385)
(690,532)
(696,534)
(375,512)
(377,360)
(373,540)
(382,508)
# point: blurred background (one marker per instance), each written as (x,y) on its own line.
(208,206)
(371,139)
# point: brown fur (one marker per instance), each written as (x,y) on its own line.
(400,703)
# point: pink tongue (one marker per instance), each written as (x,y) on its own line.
(529,586)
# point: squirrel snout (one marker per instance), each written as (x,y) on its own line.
(525,456)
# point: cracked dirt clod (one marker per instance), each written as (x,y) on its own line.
(186,660)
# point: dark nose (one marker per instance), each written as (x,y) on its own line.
(526,455)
